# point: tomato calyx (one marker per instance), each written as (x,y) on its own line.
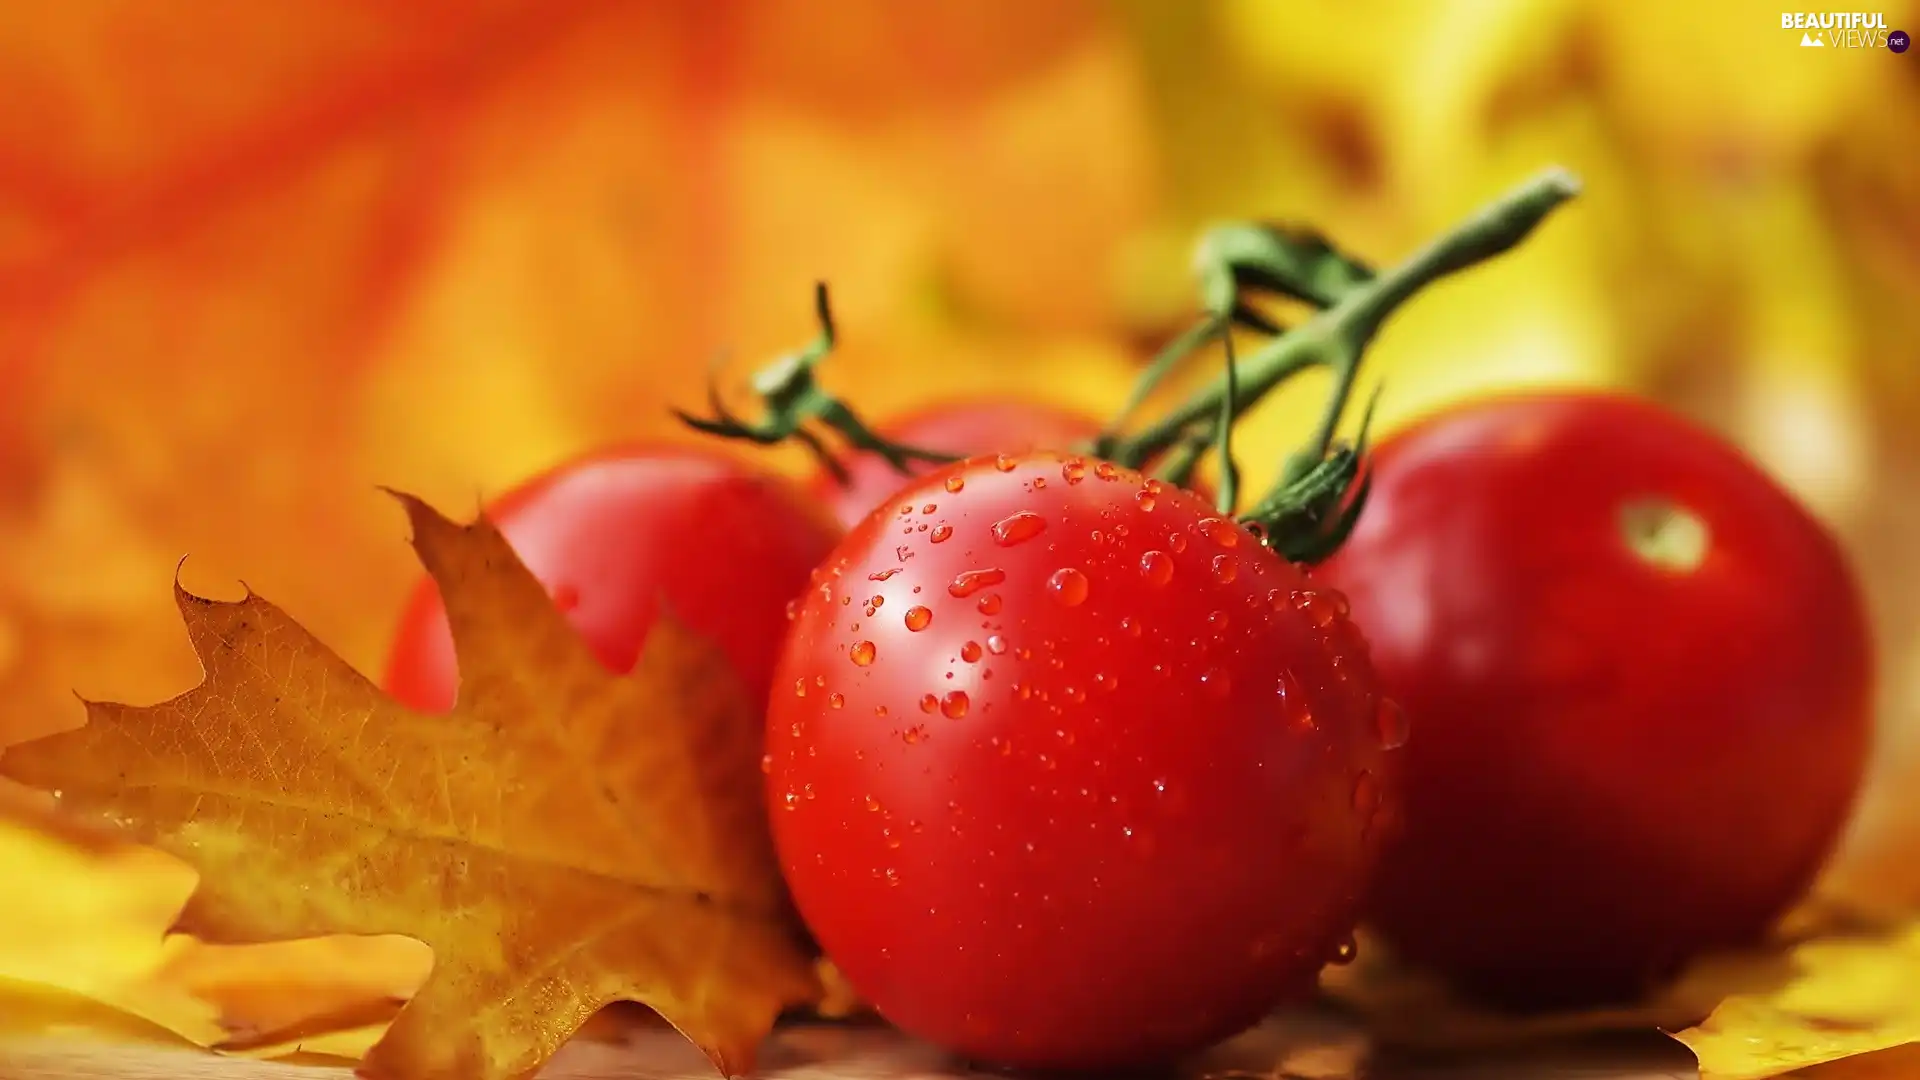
(1323,486)
(792,398)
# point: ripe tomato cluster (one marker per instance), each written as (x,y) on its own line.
(1068,768)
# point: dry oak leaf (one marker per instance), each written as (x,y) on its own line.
(565,838)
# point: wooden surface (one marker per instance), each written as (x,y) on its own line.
(1304,1050)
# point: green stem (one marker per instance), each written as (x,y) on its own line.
(1334,338)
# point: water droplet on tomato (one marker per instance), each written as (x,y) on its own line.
(893,878)
(918,618)
(1390,723)
(989,604)
(1219,530)
(968,582)
(1159,787)
(1156,567)
(1106,681)
(893,842)
(996,644)
(800,687)
(955,483)
(1106,471)
(1366,795)
(970,652)
(1018,528)
(903,553)
(928,703)
(880,710)
(1220,621)
(1225,568)
(954,705)
(1257,531)
(862,653)
(912,735)
(793,610)
(1075,694)
(790,801)
(1144,499)
(1217,682)
(766,764)
(873,805)
(1005,463)
(1130,626)
(1038,483)
(1069,586)
(1177,541)
(1345,952)
(1073,470)
(836,700)
(884,574)
(1277,599)
(940,533)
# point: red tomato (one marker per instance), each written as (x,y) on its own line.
(1640,676)
(1065,771)
(612,535)
(971,428)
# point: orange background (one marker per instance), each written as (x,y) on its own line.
(256,259)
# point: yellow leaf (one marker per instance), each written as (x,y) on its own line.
(564,839)
(1846,996)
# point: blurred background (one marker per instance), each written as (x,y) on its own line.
(257,261)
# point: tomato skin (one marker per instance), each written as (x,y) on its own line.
(973,428)
(613,534)
(1128,843)
(1617,765)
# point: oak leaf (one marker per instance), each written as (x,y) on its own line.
(565,838)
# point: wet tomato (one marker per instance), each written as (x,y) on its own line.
(984,426)
(613,535)
(1639,673)
(1066,771)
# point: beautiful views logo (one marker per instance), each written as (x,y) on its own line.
(1844,30)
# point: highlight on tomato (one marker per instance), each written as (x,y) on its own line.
(1642,678)
(614,535)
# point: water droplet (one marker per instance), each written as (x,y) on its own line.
(1390,724)
(1178,542)
(1219,620)
(929,508)
(1225,568)
(1159,787)
(928,703)
(918,618)
(1038,483)
(873,805)
(989,604)
(810,793)
(1005,463)
(1130,626)
(996,644)
(1345,952)
(1018,528)
(893,878)
(1366,795)
(793,610)
(903,553)
(836,700)
(875,602)
(912,735)
(954,705)
(796,730)
(940,533)
(955,483)
(1220,531)
(862,653)
(970,652)
(1069,586)
(893,842)
(1216,682)
(1156,567)
(1075,695)
(1144,499)
(766,764)
(790,801)
(1106,471)
(799,688)
(968,582)
(1106,681)
(884,574)
(1073,470)
(880,710)
(1276,599)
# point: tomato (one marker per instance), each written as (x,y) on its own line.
(986,426)
(613,535)
(1067,772)
(1640,677)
